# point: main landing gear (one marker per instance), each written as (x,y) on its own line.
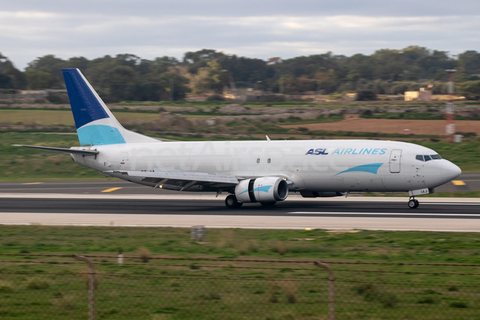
(413,203)
(231,202)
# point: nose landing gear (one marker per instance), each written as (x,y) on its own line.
(413,203)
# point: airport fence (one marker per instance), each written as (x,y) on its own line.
(60,287)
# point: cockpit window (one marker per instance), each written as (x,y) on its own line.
(428,157)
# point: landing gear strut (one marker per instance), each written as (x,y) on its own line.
(231,202)
(413,203)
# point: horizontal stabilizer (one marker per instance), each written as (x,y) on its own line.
(74,151)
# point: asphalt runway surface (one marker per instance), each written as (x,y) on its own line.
(119,203)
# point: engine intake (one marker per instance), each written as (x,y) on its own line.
(268,189)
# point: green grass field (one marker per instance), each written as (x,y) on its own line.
(425,247)
(63,117)
(380,282)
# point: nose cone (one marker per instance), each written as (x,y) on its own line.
(450,171)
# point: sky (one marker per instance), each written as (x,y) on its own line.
(250,28)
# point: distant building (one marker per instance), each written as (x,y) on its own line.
(422,95)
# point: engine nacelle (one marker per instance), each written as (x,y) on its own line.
(314,194)
(268,189)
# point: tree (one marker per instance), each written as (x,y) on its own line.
(245,71)
(11,77)
(78,62)
(38,80)
(199,59)
(471,61)
(49,64)
(121,83)
(211,78)
(470,89)
(5,82)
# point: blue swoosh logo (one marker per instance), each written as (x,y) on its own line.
(370,168)
(263,188)
(260,189)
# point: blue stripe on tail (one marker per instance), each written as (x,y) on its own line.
(97,135)
(85,105)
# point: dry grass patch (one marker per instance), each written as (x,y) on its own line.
(145,254)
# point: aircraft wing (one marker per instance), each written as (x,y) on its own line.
(180,180)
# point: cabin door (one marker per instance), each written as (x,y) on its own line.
(395,160)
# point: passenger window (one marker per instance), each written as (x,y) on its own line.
(419,157)
(427,158)
(258,160)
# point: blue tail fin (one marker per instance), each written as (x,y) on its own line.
(95,124)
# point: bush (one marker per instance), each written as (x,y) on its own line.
(290,289)
(145,254)
(6,287)
(215,97)
(273,291)
(426,300)
(211,296)
(458,304)
(65,302)
(57,98)
(452,287)
(37,284)
(371,292)
(366,95)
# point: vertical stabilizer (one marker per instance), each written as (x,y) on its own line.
(95,123)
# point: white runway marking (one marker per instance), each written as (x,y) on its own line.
(450,203)
(453,215)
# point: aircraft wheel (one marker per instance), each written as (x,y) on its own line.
(413,203)
(268,204)
(231,202)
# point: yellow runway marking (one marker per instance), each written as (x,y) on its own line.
(27,183)
(111,189)
(458,183)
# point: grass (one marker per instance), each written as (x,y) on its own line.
(411,116)
(421,247)
(27,164)
(50,286)
(63,117)
(320,119)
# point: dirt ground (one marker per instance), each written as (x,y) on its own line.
(422,127)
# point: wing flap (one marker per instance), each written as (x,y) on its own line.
(180,175)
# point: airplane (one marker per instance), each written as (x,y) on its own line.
(262,172)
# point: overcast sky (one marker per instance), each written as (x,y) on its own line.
(255,29)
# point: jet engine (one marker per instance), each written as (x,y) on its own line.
(264,190)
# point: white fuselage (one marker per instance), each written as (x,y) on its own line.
(310,165)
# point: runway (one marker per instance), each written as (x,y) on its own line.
(117,203)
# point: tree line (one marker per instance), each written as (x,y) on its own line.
(127,77)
